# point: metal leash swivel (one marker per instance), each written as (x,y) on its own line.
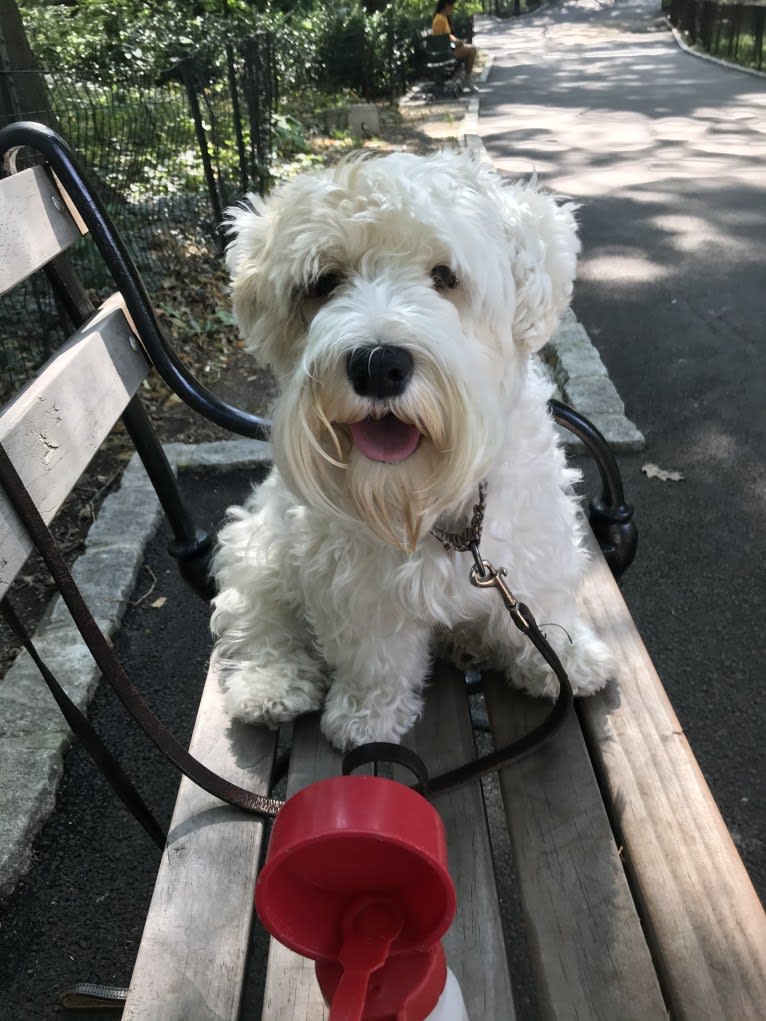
(486,575)
(483,573)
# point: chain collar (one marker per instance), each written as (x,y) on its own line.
(468,539)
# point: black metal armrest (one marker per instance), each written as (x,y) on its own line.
(610,516)
(190,546)
(66,166)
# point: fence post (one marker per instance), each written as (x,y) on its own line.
(707,16)
(736,24)
(189,72)
(261,96)
(759,15)
(237,117)
(691,20)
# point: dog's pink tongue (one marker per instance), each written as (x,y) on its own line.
(385,439)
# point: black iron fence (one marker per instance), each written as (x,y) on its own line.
(167,157)
(731,31)
(232,107)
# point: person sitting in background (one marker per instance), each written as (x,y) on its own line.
(442,25)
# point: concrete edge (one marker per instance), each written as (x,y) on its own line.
(710,57)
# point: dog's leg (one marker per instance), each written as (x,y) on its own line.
(264,656)
(279,683)
(375,692)
(589,663)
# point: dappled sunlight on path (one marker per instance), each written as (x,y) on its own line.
(600,105)
(587,106)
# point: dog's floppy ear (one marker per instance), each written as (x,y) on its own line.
(542,234)
(244,253)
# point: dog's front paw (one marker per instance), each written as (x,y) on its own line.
(589,664)
(588,661)
(462,645)
(349,721)
(272,694)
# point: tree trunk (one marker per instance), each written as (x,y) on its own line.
(23,95)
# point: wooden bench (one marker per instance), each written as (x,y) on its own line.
(635,902)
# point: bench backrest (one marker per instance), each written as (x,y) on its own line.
(439,46)
(36,225)
(52,428)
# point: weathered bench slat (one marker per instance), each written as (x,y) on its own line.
(587,948)
(443,737)
(701,913)
(54,426)
(292,992)
(191,963)
(35,225)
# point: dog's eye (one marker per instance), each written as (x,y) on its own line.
(323,286)
(443,278)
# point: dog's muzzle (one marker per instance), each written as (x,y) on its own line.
(379,371)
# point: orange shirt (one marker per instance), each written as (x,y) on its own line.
(440,25)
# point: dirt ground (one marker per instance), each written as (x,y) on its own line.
(199,326)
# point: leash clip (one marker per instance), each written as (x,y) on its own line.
(486,575)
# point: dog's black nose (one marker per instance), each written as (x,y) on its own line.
(379,371)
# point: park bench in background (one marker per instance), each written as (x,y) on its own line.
(635,900)
(440,65)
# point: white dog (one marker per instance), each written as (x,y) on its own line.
(398,301)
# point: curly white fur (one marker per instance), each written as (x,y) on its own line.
(331,590)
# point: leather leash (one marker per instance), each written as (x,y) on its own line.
(117,778)
(483,575)
(110,666)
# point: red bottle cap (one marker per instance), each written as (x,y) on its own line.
(350,838)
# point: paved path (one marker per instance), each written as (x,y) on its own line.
(665,152)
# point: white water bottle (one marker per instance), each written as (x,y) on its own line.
(450,1006)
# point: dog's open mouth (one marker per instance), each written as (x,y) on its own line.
(385,439)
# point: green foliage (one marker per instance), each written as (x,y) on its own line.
(289,136)
(100,120)
(321,44)
(93,38)
(120,107)
(423,10)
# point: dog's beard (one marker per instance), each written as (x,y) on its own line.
(398,501)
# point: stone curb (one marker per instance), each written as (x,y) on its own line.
(583,381)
